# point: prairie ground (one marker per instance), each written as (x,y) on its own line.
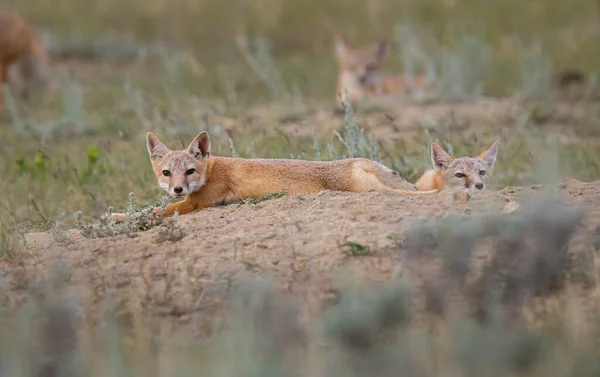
(501,282)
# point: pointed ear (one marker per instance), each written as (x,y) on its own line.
(200,146)
(340,47)
(489,156)
(381,49)
(439,157)
(156,148)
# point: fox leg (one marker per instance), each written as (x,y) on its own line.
(183,207)
(194,201)
(198,200)
(3,78)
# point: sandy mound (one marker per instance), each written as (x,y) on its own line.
(180,268)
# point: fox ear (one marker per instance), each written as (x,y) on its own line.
(200,146)
(156,148)
(381,49)
(439,157)
(489,156)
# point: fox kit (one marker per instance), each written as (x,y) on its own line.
(359,73)
(205,180)
(458,173)
(21,47)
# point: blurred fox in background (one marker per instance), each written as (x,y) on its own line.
(22,48)
(360,73)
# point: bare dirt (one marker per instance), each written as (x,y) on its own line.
(185,266)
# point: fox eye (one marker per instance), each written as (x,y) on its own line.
(482,173)
(166,173)
(190,171)
(459,175)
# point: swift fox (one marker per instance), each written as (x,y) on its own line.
(205,180)
(21,47)
(458,173)
(359,73)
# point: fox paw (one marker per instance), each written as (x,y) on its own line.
(158,212)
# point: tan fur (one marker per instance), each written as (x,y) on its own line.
(360,76)
(223,180)
(20,46)
(445,168)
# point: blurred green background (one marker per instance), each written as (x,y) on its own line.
(300,32)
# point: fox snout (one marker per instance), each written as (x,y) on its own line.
(174,190)
(474,183)
(367,79)
(177,189)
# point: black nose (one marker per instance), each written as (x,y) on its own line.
(363,79)
(479,186)
(178,190)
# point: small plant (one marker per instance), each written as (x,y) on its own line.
(232,148)
(355,249)
(353,137)
(59,234)
(269,196)
(137,219)
(10,240)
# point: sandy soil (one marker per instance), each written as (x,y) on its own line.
(185,266)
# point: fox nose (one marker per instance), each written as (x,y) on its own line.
(479,186)
(178,190)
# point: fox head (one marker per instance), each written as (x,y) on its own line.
(362,63)
(464,172)
(181,172)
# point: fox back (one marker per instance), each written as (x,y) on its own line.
(360,73)
(458,173)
